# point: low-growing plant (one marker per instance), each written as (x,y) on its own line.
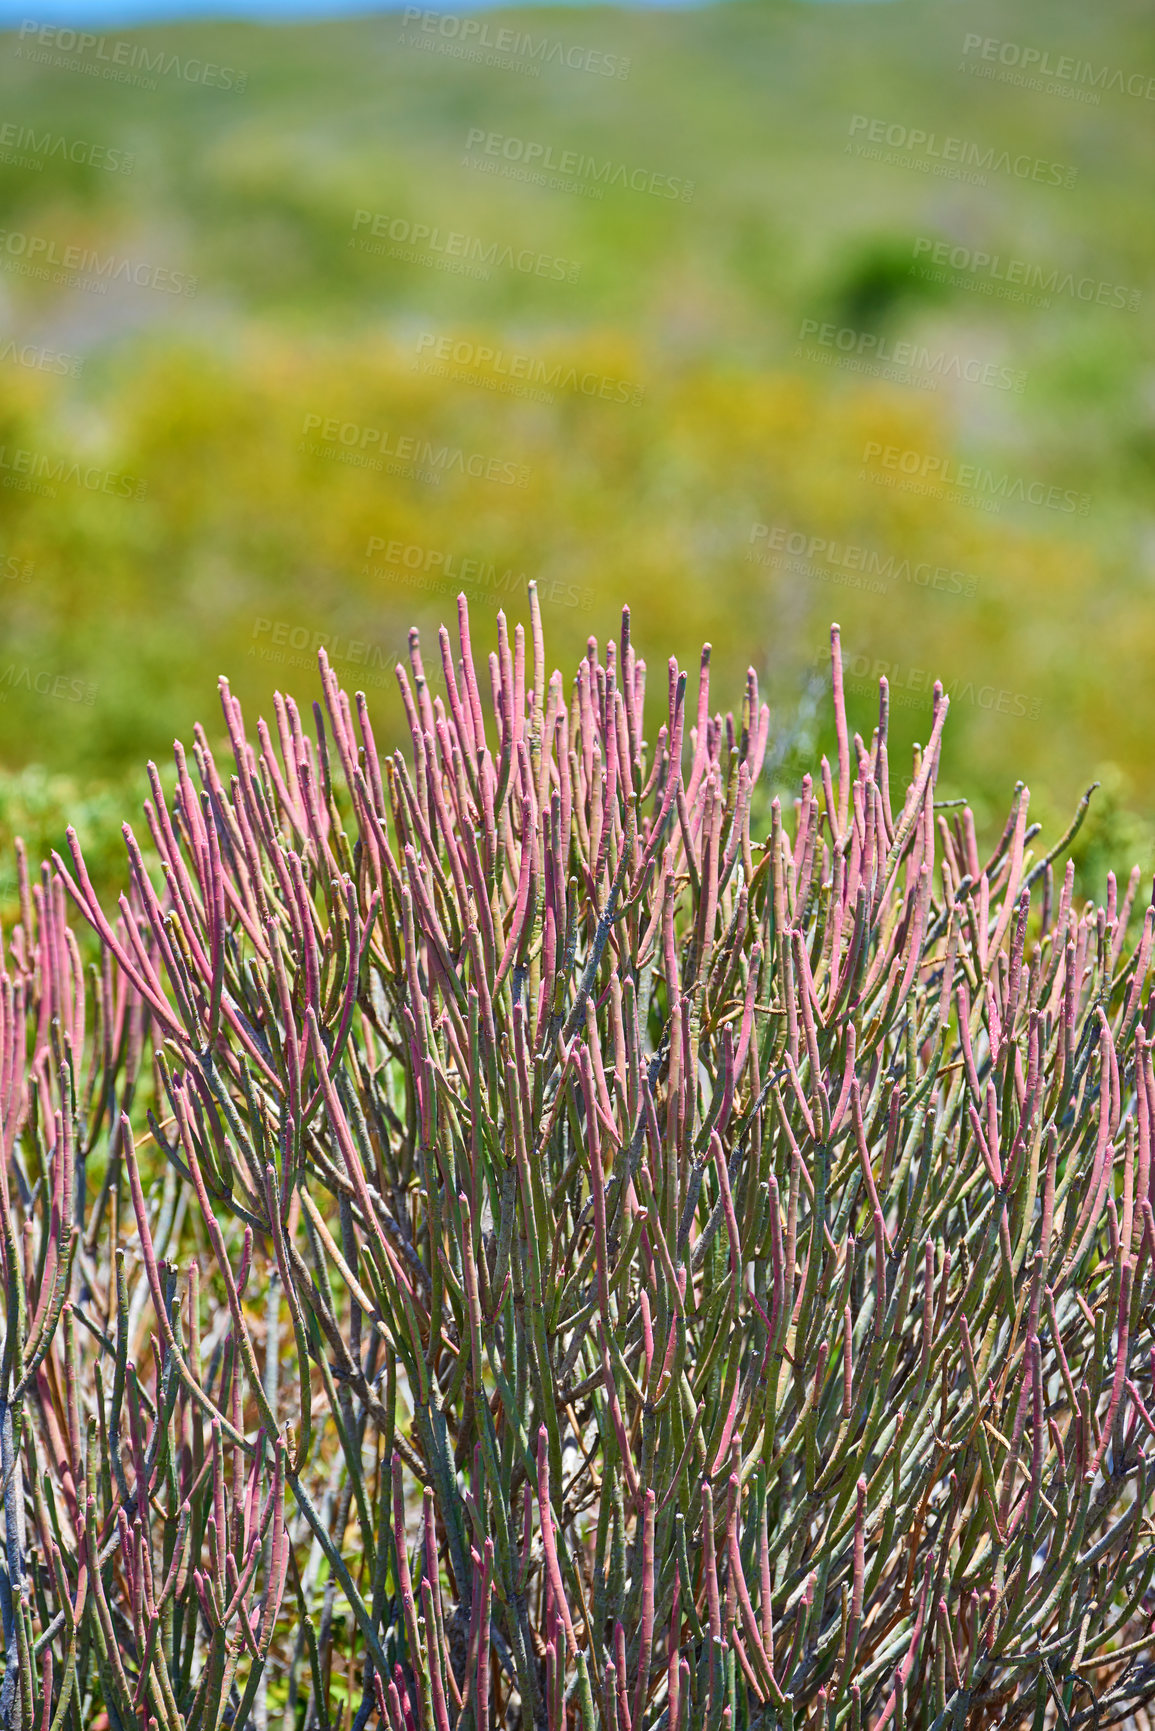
(491,1242)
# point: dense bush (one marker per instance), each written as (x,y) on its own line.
(489,1242)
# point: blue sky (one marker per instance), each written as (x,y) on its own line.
(108,14)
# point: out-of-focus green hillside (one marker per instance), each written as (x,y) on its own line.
(672,400)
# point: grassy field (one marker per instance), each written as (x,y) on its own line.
(295,344)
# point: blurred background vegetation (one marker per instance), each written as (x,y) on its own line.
(170,509)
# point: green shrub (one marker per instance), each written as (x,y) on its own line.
(584,1266)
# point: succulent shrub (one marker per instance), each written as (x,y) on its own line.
(502,1235)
